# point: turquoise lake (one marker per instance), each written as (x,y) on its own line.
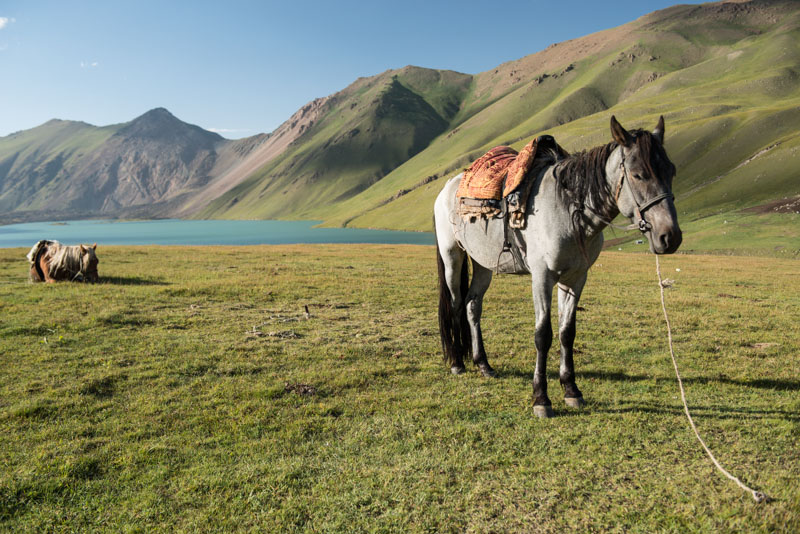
(180,232)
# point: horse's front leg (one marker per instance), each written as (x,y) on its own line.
(568,297)
(481,278)
(543,283)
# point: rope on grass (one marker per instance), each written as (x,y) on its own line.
(759,496)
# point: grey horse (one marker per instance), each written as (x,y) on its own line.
(571,203)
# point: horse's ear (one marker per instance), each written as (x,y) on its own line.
(658,132)
(94,247)
(83,249)
(620,134)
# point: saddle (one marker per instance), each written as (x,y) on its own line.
(500,181)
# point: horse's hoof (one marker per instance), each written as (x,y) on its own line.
(456,370)
(574,402)
(543,412)
(487,371)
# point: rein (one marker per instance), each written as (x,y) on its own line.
(644,226)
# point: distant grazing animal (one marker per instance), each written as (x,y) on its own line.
(570,204)
(51,261)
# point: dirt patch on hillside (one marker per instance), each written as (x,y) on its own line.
(784,205)
(639,80)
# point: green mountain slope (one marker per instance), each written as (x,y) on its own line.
(725,75)
(38,155)
(364,133)
(732,98)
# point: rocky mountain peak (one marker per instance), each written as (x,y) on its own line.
(161,125)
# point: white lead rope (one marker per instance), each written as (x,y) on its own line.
(757,495)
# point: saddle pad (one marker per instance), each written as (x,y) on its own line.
(497,173)
(484,178)
(498,179)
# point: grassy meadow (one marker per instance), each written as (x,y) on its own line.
(189,391)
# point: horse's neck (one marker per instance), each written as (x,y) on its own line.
(600,217)
(597,217)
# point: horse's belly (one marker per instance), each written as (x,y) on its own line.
(484,241)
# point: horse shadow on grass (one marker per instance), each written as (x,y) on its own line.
(132,281)
(636,406)
(698,410)
(761,383)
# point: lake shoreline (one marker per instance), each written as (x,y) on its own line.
(108,232)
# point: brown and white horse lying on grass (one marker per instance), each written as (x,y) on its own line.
(51,261)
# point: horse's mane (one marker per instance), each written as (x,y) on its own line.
(658,156)
(66,259)
(582,177)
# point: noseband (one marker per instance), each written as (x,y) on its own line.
(642,225)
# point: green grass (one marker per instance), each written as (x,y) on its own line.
(187,392)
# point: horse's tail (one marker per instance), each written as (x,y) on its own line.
(453,327)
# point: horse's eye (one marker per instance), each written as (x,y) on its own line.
(637,176)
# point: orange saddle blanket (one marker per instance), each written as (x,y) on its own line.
(497,173)
(501,173)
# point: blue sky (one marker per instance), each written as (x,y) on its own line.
(243,67)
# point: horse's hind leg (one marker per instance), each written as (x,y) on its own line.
(453,281)
(568,297)
(481,278)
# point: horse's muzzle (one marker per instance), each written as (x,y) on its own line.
(666,242)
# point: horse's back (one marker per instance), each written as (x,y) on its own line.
(546,242)
(445,200)
(40,247)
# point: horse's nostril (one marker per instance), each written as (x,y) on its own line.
(670,241)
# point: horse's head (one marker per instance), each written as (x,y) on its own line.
(642,178)
(89,263)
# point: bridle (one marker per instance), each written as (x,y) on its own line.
(83,270)
(642,225)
